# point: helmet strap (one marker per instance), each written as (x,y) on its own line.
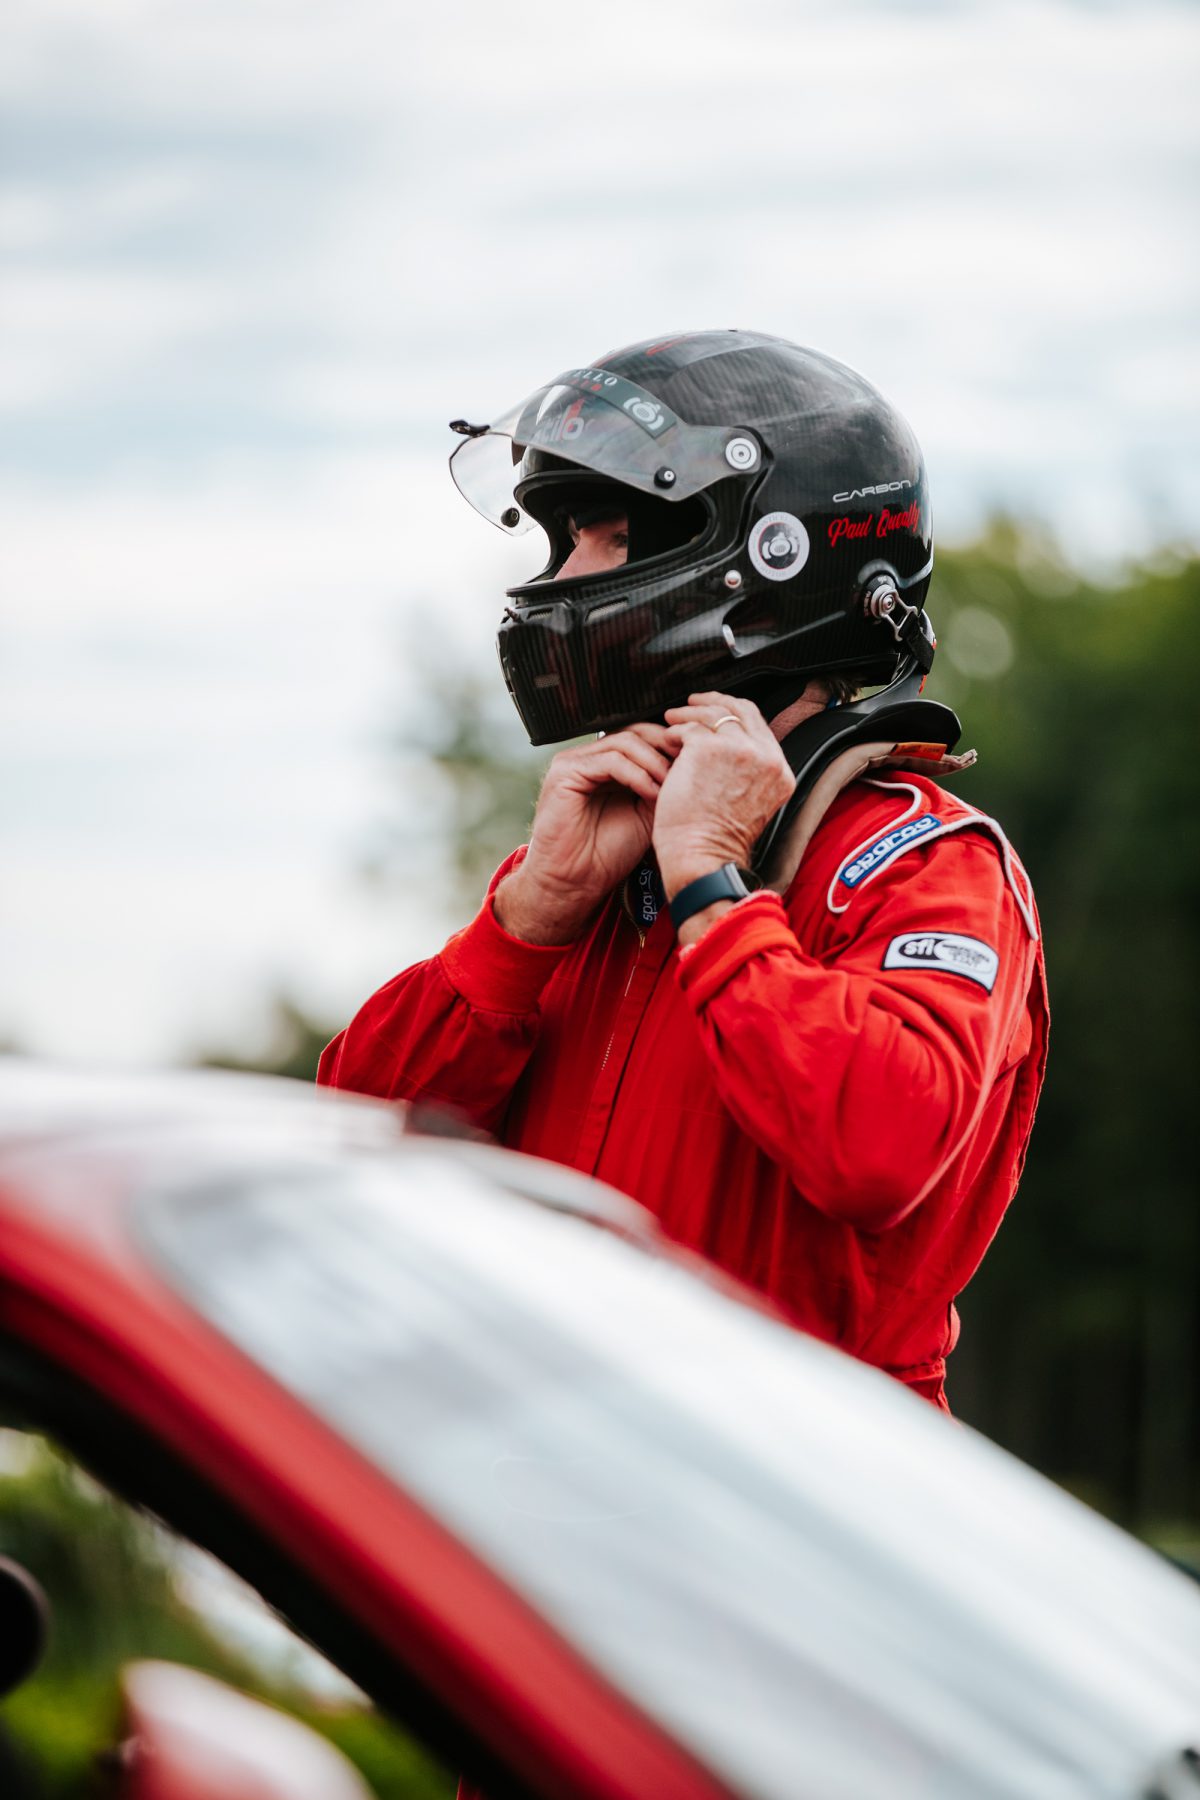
(898,713)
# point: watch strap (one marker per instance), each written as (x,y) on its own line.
(726,883)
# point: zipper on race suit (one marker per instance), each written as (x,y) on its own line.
(645,966)
(612,1036)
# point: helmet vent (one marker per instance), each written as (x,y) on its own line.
(606,610)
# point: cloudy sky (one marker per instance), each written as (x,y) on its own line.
(257,254)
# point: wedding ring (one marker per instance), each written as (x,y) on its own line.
(729,719)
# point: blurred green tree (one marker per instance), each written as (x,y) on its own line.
(1081,1342)
(293,1045)
(110,1575)
(468,740)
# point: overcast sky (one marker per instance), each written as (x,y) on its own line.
(256,255)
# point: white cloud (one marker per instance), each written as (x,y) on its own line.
(130,961)
(68,334)
(196,690)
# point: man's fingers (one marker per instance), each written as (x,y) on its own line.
(654,753)
(647,756)
(731,703)
(619,766)
(686,719)
(728,705)
(656,737)
(688,726)
(649,733)
(700,715)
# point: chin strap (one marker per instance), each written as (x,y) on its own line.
(921,731)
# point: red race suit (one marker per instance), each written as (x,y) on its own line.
(830,1094)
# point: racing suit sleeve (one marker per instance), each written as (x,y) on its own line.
(454,1031)
(861,1073)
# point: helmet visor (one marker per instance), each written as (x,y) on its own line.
(600,422)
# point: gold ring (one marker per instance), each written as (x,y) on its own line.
(729,719)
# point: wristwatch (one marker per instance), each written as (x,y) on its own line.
(726,883)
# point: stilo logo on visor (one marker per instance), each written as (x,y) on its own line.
(626,396)
(602,422)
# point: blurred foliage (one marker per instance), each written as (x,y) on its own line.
(293,1045)
(109,1576)
(469,750)
(1081,1335)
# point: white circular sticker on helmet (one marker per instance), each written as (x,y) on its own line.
(778,546)
(646,412)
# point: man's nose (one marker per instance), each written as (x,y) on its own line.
(583,560)
(598,547)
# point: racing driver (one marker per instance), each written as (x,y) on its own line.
(755,967)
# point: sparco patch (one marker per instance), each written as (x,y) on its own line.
(944,950)
(889,845)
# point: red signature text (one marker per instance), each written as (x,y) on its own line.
(848,528)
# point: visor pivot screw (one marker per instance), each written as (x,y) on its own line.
(741,453)
(664,478)
(733,578)
(510,517)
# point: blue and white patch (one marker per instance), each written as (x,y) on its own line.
(947,950)
(887,846)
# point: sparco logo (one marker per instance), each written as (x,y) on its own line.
(889,845)
(883,487)
(948,950)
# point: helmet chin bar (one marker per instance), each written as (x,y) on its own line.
(897,713)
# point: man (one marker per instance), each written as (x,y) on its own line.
(825,1083)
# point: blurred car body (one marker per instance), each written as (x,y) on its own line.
(586,1517)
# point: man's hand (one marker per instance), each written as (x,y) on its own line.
(723,787)
(591,827)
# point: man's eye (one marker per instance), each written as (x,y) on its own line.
(621,539)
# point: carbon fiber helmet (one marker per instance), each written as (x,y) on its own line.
(779,528)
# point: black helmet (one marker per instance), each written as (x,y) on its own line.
(779,528)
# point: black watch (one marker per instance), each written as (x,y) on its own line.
(726,883)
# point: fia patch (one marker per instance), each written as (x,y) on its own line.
(947,950)
(885,847)
(778,546)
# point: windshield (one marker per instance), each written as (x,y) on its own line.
(603,423)
(769,1549)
